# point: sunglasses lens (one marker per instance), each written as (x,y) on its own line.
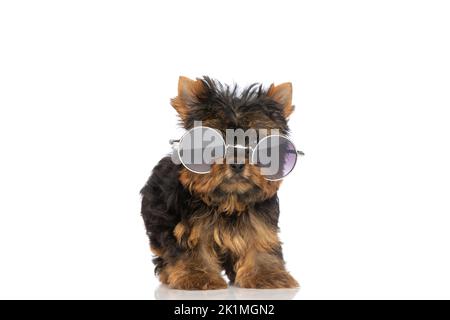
(276,156)
(199,148)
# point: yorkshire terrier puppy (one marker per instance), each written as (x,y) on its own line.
(200,224)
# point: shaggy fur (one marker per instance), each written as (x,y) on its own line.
(201,224)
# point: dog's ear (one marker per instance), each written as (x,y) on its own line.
(282,94)
(188,92)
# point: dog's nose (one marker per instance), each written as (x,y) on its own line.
(238,168)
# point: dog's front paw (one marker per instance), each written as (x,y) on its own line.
(197,281)
(266,280)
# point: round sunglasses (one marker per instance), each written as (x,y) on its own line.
(200,147)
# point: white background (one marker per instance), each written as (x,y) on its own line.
(85,115)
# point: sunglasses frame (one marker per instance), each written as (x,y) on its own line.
(297,153)
(175,143)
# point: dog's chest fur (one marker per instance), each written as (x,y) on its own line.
(235,234)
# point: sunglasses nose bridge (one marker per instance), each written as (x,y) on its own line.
(236,154)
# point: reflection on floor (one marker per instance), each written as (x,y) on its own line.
(163,292)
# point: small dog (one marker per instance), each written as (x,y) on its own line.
(227,219)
